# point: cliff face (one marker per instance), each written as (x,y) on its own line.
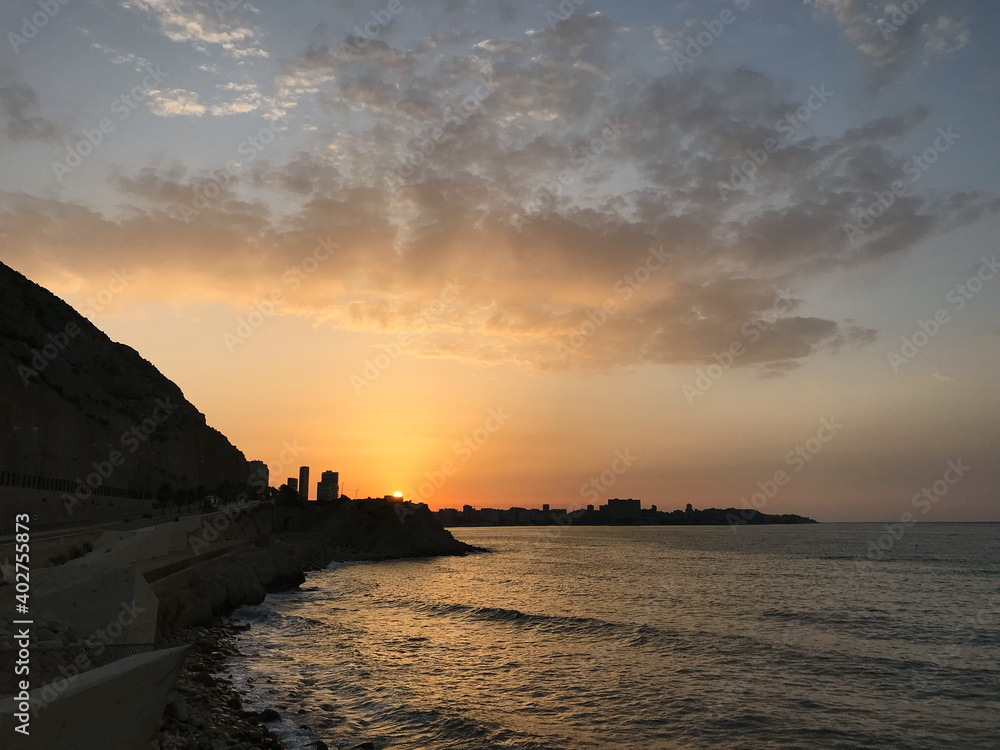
(381,529)
(72,398)
(355,530)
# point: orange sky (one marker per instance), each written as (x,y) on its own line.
(363,249)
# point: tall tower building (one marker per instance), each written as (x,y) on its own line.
(304,482)
(260,475)
(328,488)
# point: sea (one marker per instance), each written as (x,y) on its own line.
(814,636)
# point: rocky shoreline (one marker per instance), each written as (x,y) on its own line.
(206,711)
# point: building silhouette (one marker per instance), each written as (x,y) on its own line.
(624,510)
(328,487)
(304,482)
(259,473)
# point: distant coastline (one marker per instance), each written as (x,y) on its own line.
(627,513)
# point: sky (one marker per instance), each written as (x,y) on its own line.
(733,253)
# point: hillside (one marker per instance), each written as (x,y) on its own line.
(72,397)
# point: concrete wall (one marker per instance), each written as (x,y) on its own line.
(113,605)
(43,549)
(50,508)
(115,707)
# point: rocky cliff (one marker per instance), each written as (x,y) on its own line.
(74,402)
(312,538)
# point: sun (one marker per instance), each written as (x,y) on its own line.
(398,495)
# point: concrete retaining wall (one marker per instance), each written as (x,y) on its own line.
(88,712)
(104,605)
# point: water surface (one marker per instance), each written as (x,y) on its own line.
(646,637)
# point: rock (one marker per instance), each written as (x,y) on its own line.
(364,746)
(320,745)
(205,679)
(269,714)
(179,710)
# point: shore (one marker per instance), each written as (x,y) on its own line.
(181,600)
(206,711)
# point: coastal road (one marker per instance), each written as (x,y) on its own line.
(71,529)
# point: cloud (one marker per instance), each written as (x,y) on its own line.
(175,103)
(17,103)
(117,57)
(886,35)
(245,98)
(203,25)
(945,35)
(548,225)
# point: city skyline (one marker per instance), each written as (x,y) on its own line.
(513,255)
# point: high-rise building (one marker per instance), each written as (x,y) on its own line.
(328,487)
(260,475)
(624,510)
(304,482)
(293,484)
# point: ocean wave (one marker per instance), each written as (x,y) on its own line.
(264,616)
(516,616)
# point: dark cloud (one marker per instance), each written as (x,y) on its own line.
(17,119)
(887,36)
